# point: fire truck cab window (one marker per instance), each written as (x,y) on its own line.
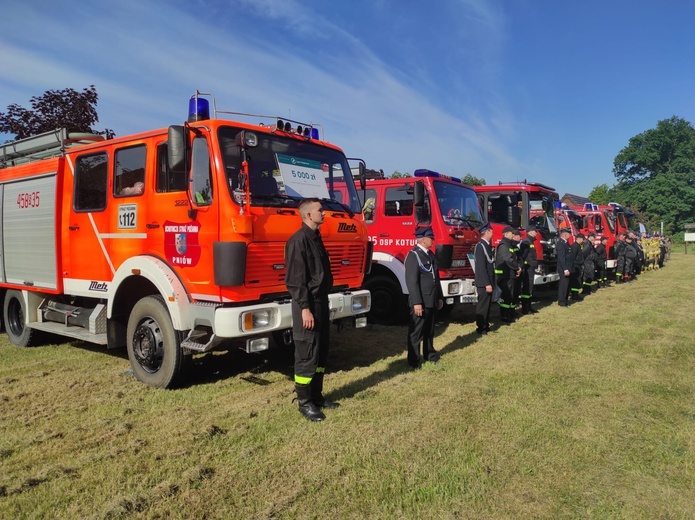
(167,180)
(398,202)
(368,205)
(201,185)
(91,175)
(129,171)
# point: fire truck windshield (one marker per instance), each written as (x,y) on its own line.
(283,170)
(541,211)
(458,204)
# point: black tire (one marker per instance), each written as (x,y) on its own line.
(388,301)
(154,346)
(13,316)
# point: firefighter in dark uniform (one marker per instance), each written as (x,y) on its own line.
(578,262)
(309,280)
(620,257)
(516,286)
(630,252)
(529,262)
(484,258)
(424,298)
(601,259)
(565,266)
(506,272)
(589,254)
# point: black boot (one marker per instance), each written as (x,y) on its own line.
(526,306)
(306,406)
(317,393)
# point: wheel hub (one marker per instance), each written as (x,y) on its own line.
(148,345)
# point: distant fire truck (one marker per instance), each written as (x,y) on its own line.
(172,241)
(393,209)
(520,204)
(605,221)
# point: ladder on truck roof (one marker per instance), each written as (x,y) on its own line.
(42,146)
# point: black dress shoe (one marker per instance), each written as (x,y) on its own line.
(481,332)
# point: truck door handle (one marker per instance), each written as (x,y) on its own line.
(73,228)
(384,234)
(153,226)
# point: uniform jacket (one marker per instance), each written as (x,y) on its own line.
(565,260)
(630,250)
(506,263)
(484,264)
(577,256)
(589,254)
(601,254)
(422,278)
(308,274)
(529,257)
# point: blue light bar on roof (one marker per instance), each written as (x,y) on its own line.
(198,109)
(436,175)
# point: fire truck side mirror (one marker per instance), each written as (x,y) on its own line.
(422,214)
(176,149)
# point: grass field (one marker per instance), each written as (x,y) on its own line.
(579,412)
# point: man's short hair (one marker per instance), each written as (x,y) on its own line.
(303,205)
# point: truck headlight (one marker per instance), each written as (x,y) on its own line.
(453,288)
(256,319)
(360,304)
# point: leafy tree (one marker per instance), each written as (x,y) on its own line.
(601,194)
(668,148)
(398,175)
(472,180)
(65,108)
(656,174)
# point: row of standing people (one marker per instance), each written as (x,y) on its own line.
(510,269)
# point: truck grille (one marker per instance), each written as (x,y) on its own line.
(265,263)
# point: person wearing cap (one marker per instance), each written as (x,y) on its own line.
(619,249)
(506,271)
(565,266)
(589,271)
(529,263)
(578,262)
(484,258)
(601,259)
(424,298)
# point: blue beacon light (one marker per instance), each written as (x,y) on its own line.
(198,109)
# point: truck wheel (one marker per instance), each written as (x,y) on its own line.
(154,347)
(388,302)
(14,313)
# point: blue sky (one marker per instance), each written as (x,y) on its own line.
(544,90)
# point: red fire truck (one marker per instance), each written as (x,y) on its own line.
(605,220)
(520,204)
(566,217)
(172,241)
(393,209)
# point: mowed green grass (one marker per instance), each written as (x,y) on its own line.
(579,412)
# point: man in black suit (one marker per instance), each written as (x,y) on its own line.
(484,258)
(424,298)
(565,266)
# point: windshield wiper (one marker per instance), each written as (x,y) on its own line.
(467,221)
(344,206)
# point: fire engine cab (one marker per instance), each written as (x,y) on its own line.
(172,241)
(393,209)
(521,204)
